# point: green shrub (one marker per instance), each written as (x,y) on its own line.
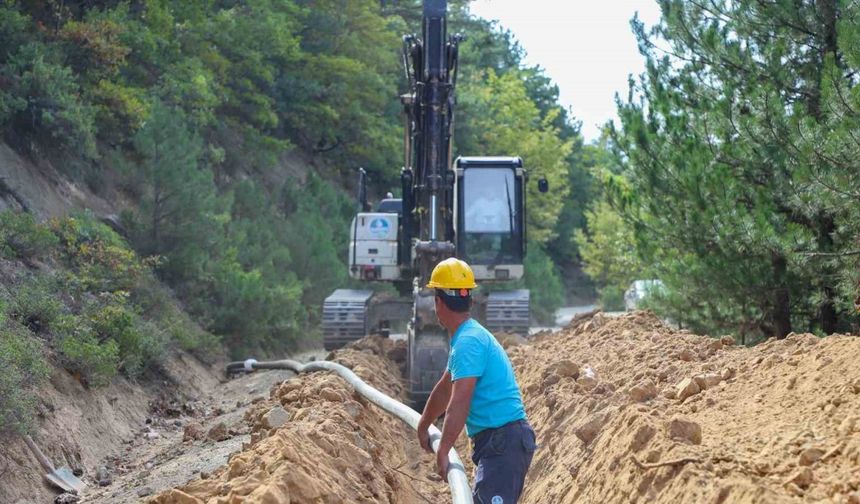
(22,237)
(188,335)
(22,369)
(612,298)
(102,259)
(35,304)
(546,289)
(139,344)
(608,250)
(95,362)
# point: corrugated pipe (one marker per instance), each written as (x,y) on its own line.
(461,493)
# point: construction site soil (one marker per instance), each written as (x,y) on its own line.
(626,409)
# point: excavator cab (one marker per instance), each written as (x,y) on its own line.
(490,233)
(490,220)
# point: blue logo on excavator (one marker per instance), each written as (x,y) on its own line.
(379,228)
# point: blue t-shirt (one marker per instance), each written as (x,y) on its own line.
(496,400)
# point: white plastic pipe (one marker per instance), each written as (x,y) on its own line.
(461,493)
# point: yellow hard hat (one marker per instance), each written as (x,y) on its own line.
(452,273)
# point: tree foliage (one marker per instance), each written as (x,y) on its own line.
(504,121)
(191,107)
(742,176)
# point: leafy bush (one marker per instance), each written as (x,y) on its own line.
(188,335)
(547,291)
(35,303)
(139,344)
(103,260)
(612,298)
(95,362)
(609,248)
(22,369)
(22,237)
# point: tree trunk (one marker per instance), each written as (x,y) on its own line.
(828,318)
(781,300)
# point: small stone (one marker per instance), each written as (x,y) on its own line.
(802,478)
(669,393)
(708,380)
(193,432)
(151,435)
(687,431)
(218,432)
(794,489)
(331,395)
(64,498)
(687,388)
(588,430)
(715,345)
(644,391)
(204,475)
(587,382)
(549,381)
(854,498)
(566,368)
(848,426)
(685,355)
(762,467)
(810,456)
(728,373)
(103,476)
(144,491)
(727,340)
(276,417)
(642,436)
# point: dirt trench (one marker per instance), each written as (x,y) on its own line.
(668,416)
(626,410)
(315,440)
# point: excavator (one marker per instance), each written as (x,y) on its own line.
(472,208)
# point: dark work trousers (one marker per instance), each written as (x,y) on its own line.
(502,457)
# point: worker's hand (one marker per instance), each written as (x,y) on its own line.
(424,438)
(442,464)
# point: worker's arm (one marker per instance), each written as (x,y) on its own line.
(455,419)
(434,408)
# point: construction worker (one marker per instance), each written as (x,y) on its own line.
(478,390)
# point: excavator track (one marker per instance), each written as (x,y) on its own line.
(508,311)
(345,317)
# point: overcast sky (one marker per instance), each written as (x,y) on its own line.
(585,46)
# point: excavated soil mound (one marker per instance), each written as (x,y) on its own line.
(626,410)
(629,410)
(317,441)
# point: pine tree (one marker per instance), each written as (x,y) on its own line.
(177,207)
(723,164)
